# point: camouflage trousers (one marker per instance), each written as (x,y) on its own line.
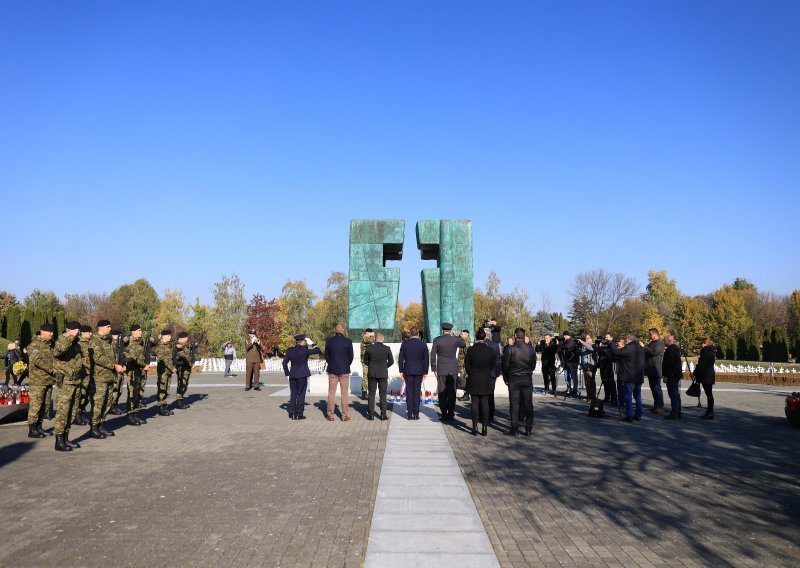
(102,390)
(183,374)
(364,375)
(142,384)
(39,394)
(163,387)
(136,378)
(116,391)
(83,395)
(66,404)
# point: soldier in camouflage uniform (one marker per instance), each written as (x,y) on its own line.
(104,364)
(84,391)
(366,340)
(137,374)
(68,367)
(40,379)
(183,367)
(461,367)
(116,388)
(165,366)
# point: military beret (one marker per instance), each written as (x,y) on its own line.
(136,327)
(86,329)
(103,323)
(166,332)
(447,326)
(116,332)
(182,334)
(300,337)
(46,327)
(369,330)
(73,325)
(464,331)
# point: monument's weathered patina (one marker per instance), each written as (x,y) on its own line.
(447,290)
(372,287)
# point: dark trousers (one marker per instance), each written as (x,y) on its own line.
(480,409)
(413,388)
(591,385)
(520,391)
(549,374)
(657,392)
(447,397)
(379,384)
(297,395)
(709,397)
(252,374)
(674,391)
(609,384)
(571,377)
(491,402)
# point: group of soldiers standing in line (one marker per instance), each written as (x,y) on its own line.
(90,367)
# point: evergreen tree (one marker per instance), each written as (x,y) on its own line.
(13,323)
(766,350)
(752,345)
(730,350)
(780,345)
(741,348)
(542,325)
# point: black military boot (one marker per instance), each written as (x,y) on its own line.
(464,398)
(41,430)
(163,411)
(96,433)
(180,405)
(61,446)
(104,430)
(115,411)
(70,443)
(33,432)
(141,419)
(132,420)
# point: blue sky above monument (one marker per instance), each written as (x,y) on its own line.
(576,135)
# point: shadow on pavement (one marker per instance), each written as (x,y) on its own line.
(14,451)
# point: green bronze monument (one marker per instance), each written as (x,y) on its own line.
(447,290)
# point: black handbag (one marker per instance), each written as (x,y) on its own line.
(693,390)
(596,405)
(461,382)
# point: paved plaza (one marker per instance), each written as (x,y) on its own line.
(233,482)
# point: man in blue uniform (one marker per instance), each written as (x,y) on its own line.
(414,362)
(295,367)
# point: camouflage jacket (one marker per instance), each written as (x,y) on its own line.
(462,353)
(69,358)
(40,356)
(103,356)
(366,341)
(164,357)
(183,354)
(87,360)
(135,353)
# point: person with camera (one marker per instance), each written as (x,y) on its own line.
(568,351)
(605,365)
(253,361)
(672,371)
(654,357)
(519,362)
(495,329)
(588,359)
(630,369)
(549,349)
(705,375)
(229,352)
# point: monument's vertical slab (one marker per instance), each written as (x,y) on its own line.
(372,287)
(447,290)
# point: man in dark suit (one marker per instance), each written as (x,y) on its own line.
(548,348)
(339,356)
(672,370)
(295,366)
(253,362)
(378,358)
(445,364)
(630,368)
(519,362)
(494,346)
(414,361)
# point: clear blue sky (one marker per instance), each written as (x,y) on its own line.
(178,141)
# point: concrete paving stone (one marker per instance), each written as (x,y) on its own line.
(416,559)
(461,542)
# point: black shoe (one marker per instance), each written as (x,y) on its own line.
(444,418)
(61,446)
(416,417)
(132,420)
(527,432)
(105,431)
(708,416)
(384,417)
(628,419)
(370,416)
(233,375)
(291,417)
(484,430)
(181,406)
(70,443)
(33,432)
(115,411)
(257,388)
(141,419)
(512,433)
(96,433)
(300,417)
(474,430)
(247,388)
(363,395)
(42,431)
(162,411)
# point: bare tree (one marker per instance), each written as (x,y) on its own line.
(603,294)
